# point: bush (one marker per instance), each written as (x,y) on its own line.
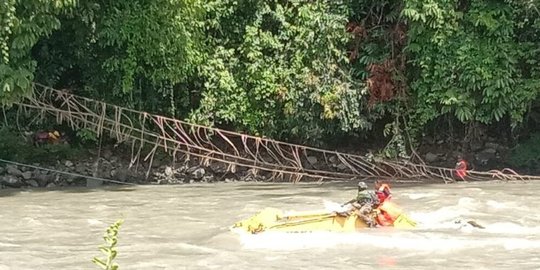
(527,153)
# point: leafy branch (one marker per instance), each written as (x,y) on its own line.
(109,249)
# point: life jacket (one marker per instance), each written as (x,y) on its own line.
(383,192)
(384,219)
(388,212)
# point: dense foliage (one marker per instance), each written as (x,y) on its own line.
(299,70)
(475,59)
(23,25)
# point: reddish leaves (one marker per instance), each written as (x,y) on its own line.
(380,84)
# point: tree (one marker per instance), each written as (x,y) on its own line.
(24,23)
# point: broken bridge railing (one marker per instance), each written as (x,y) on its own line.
(281,160)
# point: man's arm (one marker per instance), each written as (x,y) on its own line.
(351,201)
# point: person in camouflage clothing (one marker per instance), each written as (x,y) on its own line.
(364,203)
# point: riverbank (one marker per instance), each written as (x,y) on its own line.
(112,164)
(113,167)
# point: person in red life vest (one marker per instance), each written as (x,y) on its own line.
(461,168)
(382,190)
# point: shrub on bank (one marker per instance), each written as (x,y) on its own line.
(15,147)
(527,153)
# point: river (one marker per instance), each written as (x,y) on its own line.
(187,227)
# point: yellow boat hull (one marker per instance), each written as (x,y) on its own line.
(272,219)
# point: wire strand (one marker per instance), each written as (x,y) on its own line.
(66,173)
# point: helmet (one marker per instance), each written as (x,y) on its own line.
(362,185)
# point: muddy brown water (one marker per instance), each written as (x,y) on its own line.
(188,227)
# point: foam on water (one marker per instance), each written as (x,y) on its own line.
(198,248)
(95,222)
(100,207)
(496,205)
(335,207)
(31,221)
(518,243)
(510,228)
(467,209)
(406,241)
(431,235)
(8,245)
(416,196)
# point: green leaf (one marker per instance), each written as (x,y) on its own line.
(100,263)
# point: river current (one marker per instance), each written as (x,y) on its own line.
(188,227)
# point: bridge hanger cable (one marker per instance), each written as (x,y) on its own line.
(66,173)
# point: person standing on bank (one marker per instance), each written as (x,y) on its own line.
(461,168)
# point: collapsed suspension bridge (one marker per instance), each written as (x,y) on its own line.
(278,160)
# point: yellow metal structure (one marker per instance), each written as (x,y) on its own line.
(272,219)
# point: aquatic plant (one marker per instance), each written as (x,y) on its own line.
(109,249)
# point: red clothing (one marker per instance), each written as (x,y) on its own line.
(381,196)
(383,193)
(385,219)
(388,212)
(461,169)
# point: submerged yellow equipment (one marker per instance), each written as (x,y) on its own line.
(272,219)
